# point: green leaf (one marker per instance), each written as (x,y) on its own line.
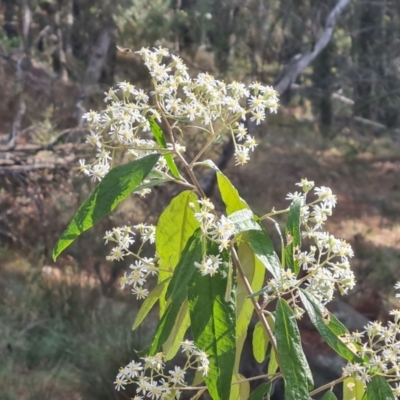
(264,250)
(182,323)
(148,304)
(297,374)
(378,389)
(329,395)
(293,236)
(254,272)
(353,389)
(175,226)
(185,268)
(192,253)
(260,342)
(326,327)
(273,363)
(118,184)
(260,391)
(243,221)
(160,139)
(239,391)
(230,195)
(213,325)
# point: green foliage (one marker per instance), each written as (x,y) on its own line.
(378,389)
(213,322)
(353,389)
(118,184)
(177,290)
(297,374)
(260,392)
(159,136)
(293,236)
(328,326)
(329,395)
(175,226)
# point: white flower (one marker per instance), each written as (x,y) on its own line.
(140,292)
(119,383)
(188,345)
(133,369)
(177,375)
(241,155)
(209,265)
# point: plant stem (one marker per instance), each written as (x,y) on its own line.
(256,306)
(328,385)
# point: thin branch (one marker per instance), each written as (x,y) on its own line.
(301,61)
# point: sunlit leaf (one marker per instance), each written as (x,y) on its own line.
(326,326)
(239,391)
(230,195)
(116,186)
(297,374)
(293,236)
(353,389)
(254,272)
(264,250)
(243,220)
(192,253)
(160,139)
(182,323)
(260,342)
(149,302)
(213,326)
(174,228)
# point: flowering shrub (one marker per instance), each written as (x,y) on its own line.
(215,270)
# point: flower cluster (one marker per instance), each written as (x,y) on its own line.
(217,230)
(143,267)
(152,382)
(326,263)
(210,104)
(380,345)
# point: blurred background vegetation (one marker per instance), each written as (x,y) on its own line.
(65,327)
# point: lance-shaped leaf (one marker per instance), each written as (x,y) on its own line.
(192,253)
(378,389)
(273,363)
(182,323)
(230,195)
(264,250)
(160,139)
(260,391)
(148,304)
(353,389)
(213,326)
(243,221)
(293,236)
(260,342)
(326,326)
(293,362)
(185,269)
(118,184)
(329,396)
(239,391)
(174,228)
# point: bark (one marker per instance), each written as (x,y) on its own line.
(301,61)
(98,56)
